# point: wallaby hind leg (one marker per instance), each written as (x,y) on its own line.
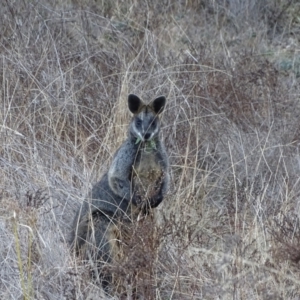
(92,243)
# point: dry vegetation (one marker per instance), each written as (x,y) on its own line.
(229,227)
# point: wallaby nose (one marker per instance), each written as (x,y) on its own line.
(147,136)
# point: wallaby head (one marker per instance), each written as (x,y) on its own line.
(145,123)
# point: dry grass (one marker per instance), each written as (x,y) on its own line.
(229,227)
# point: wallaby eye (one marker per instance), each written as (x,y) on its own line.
(138,122)
(153,124)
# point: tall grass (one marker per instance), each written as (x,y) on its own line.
(228,228)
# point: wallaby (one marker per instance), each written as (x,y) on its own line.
(136,181)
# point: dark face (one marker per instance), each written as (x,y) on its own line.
(145,125)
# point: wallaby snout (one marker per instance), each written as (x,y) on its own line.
(147,136)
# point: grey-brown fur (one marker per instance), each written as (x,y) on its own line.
(136,181)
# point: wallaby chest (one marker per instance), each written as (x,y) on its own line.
(147,172)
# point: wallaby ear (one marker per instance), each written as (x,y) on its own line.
(158,104)
(134,103)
